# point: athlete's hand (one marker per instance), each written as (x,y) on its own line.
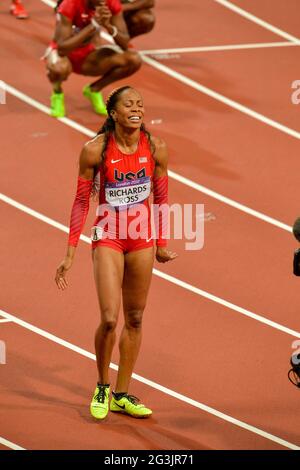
(103,15)
(163,255)
(63,268)
(127,7)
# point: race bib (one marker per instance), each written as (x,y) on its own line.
(126,193)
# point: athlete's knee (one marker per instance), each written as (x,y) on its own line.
(132,60)
(108,321)
(134,318)
(108,326)
(149,21)
(59,70)
(144,21)
(64,68)
(141,22)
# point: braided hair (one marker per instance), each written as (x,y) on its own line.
(109,125)
(57,5)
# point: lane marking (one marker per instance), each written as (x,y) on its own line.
(181,179)
(229,202)
(230,47)
(223,99)
(50,3)
(249,16)
(160,274)
(4,320)
(10,444)
(154,385)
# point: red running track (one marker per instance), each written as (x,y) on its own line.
(196,347)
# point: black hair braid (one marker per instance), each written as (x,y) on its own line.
(57,5)
(150,140)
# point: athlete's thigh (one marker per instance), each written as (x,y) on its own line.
(108,274)
(101,61)
(137,278)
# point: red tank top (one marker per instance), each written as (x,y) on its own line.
(78,12)
(125,180)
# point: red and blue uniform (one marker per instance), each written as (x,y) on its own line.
(124,182)
(80,15)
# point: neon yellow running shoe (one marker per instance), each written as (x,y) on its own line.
(130,405)
(99,403)
(96,100)
(57,105)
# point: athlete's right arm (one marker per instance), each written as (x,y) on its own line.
(64,37)
(88,162)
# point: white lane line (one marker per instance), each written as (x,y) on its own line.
(249,16)
(161,274)
(223,99)
(50,3)
(45,109)
(39,216)
(181,179)
(226,304)
(4,320)
(228,201)
(230,47)
(154,385)
(10,444)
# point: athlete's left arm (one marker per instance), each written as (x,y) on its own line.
(160,197)
(122,37)
(115,25)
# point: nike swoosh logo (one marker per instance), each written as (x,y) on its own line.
(120,406)
(148,239)
(115,161)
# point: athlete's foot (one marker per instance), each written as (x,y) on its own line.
(57,105)
(99,403)
(18,11)
(96,100)
(129,405)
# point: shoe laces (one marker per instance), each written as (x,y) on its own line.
(100,396)
(134,400)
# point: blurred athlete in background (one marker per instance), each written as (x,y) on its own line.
(17,9)
(78,47)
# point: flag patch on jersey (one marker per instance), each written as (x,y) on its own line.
(143,159)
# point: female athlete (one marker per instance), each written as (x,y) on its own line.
(125,163)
